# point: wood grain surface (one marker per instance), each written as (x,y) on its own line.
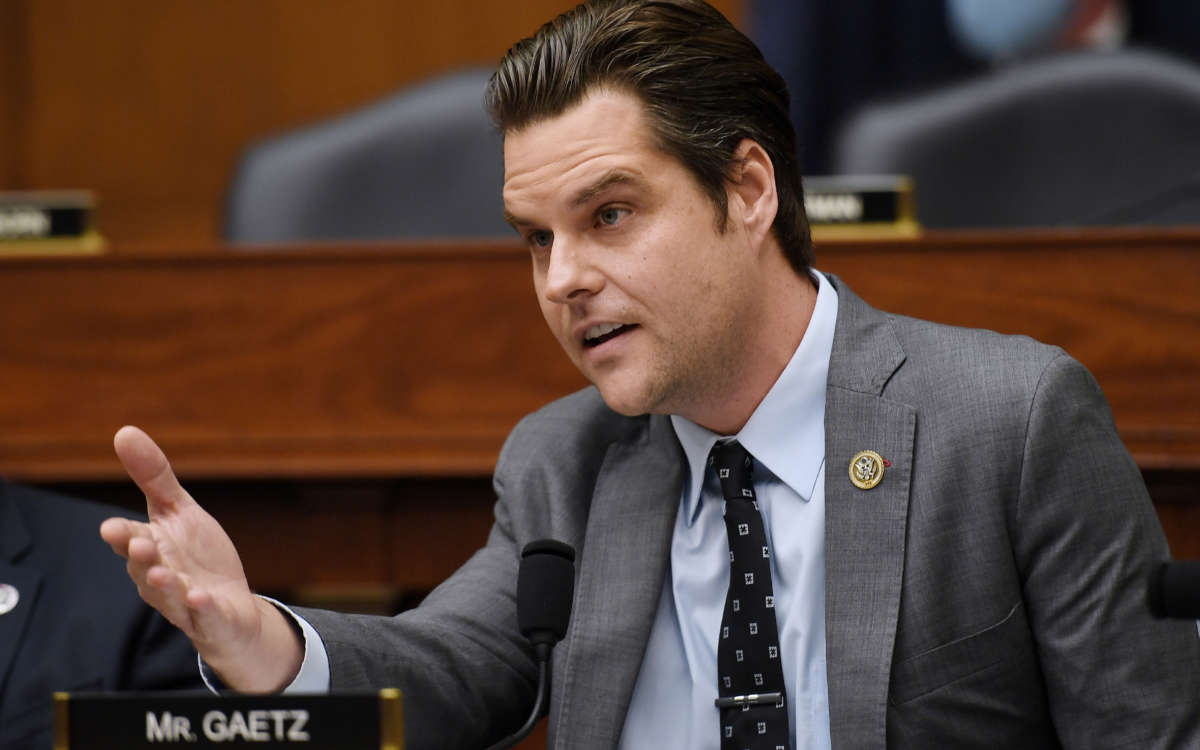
(416,360)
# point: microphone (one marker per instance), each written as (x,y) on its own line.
(545,588)
(1175,590)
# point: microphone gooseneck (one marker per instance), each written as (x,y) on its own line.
(545,588)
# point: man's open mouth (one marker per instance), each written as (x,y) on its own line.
(597,335)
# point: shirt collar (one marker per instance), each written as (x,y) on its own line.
(786,432)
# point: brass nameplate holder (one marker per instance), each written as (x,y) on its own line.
(49,222)
(860,206)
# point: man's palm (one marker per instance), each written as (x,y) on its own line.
(182,561)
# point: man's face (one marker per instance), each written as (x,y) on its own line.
(650,301)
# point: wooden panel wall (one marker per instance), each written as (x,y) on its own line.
(12,94)
(150,102)
(414,361)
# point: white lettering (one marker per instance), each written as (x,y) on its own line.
(213,726)
(183,729)
(24,222)
(834,207)
(254,726)
(257,726)
(237,726)
(158,730)
(278,716)
(168,728)
(296,733)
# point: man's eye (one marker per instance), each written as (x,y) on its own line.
(611,215)
(540,238)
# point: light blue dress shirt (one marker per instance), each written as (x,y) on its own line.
(672,706)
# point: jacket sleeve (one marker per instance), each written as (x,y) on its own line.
(1086,539)
(466,674)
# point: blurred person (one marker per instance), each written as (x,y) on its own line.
(69,618)
(838,56)
(1000,32)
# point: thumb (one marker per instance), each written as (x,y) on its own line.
(147,465)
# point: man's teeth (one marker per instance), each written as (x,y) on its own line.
(603,329)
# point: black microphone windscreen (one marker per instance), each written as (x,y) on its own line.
(1175,590)
(545,588)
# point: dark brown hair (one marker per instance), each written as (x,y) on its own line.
(705,86)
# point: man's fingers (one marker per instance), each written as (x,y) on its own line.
(193,610)
(147,465)
(141,556)
(166,591)
(166,581)
(120,533)
(143,551)
(117,532)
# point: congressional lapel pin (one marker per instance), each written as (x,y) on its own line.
(9,596)
(866,469)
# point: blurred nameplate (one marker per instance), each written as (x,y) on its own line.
(52,222)
(129,721)
(860,205)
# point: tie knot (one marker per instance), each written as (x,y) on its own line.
(732,464)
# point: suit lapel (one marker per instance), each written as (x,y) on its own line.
(864,529)
(621,574)
(14,543)
(624,564)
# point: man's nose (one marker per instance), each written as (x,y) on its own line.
(571,272)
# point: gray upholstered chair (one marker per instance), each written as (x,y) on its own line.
(425,162)
(1077,139)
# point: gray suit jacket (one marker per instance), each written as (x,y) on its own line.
(989,592)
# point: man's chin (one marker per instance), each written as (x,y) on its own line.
(625,402)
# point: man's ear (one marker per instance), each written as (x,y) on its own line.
(752,185)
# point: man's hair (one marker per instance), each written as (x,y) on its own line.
(705,86)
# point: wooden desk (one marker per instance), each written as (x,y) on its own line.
(416,360)
(339,394)
(334,362)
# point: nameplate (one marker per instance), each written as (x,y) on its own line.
(872,204)
(41,215)
(132,721)
(50,222)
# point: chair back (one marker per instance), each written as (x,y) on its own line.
(425,162)
(1076,139)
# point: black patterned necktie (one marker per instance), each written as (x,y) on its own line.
(752,700)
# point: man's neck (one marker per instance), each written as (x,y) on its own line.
(789,302)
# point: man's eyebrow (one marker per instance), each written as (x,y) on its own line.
(515,222)
(586,194)
(606,181)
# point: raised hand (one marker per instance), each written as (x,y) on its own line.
(186,567)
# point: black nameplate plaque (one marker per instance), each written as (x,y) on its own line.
(48,222)
(878,204)
(133,721)
(45,215)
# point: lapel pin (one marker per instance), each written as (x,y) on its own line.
(866,469)
(9,596)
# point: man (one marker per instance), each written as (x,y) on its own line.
(69,619)
(954,543)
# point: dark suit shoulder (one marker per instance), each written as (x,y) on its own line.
(44,508)
(81,624)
